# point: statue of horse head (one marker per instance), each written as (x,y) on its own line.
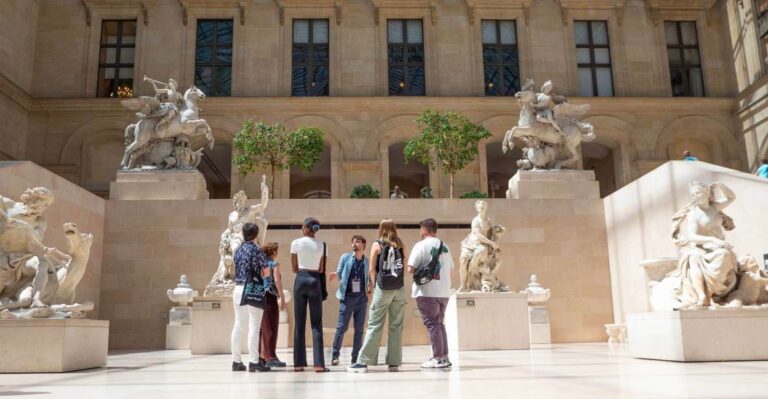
(193,94)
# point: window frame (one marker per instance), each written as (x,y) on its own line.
(593,65)
(310,44)
(213,92)
(684,66)
(499,45)
(406,44)
(118,46)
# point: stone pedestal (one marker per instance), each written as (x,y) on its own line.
(283,330)
(699,335)
(212,320)
(484,321)
(52,346)
(158,185)
(178,332)
(538,317)
(553,184)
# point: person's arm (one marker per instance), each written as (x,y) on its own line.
(294,263)
(375,250)
(321,267)
(333,275)
(279,284)
(412,260)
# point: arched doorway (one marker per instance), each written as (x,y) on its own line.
(501,167)
(600,158)
(316,183)
(101,160)
(216,167)
(411,177)
(698,148)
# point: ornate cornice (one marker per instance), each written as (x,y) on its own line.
(141,5)
(427,4)
(186,5)
(336,5)
(617,5)
(524,5)
(657,7)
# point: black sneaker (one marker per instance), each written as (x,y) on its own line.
(357,368)
(238,366)
(260,367)
(335,361)
(275,363)
(394,369)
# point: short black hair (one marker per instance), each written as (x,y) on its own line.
(358,238)
(429,224)
(312,224)
(250,231)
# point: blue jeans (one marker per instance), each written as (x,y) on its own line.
(351,307)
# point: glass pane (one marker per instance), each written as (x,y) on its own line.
(126,73)
(600,33)
(224,55)
(396,55)
(320,31)
(582,32)
(129,32)
(676,76)
(205,31)
(300,55)
(671,30)
(492,81)
(415,54)
(689,33)
(762,25)
(696,82)
(106,83)
(204,79)
(585,82)
(489,32)
(110,73)
(415,80)
(396,80)
(301,31)
(692,57)
(414,31)
(108,55)
(395,31)
(509,55)
(224,32)
(604,82)
(319,85)
(224,81)
(126,55)
(109,32)
(490,55)
(511,80)
(674,56)
(320,55)
(507,32)
(583,56)
(204,55)
(602,56)
(300,81)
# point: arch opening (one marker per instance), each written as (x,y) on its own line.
(317,183)
(411,177)
(501,167)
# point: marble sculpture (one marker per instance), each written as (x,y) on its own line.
(38,281)
(167,135)
(537,295)
(479,261)
(548,129)
(708,274)
(222,283)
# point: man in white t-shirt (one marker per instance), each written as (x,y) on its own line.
(432,297)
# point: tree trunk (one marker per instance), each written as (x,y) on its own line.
(272,182)
(451,189)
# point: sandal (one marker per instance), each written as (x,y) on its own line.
(321,369)
(298,369)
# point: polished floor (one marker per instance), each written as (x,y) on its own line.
(557,371)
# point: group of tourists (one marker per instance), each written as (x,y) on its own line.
(378,279)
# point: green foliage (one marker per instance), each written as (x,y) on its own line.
(364,191)
(305,146)
(474,194)
(448,140)
(426,192)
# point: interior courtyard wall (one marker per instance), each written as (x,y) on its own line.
(150,243)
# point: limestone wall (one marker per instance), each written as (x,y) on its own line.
(71,204)
(639,220)
(150,243)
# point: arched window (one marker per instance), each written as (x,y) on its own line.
(410,177)
(316,183)
(501,167)
(600,158)
(216,167)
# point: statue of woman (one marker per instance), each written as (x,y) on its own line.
(170,101)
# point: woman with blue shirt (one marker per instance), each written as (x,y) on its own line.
(352,272)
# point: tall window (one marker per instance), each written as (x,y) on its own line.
(310,57)
(405,38)
(501,65)
(116,55)
(213,57)
(593,58)
(684,59)
(761,11)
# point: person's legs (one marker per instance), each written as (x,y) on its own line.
(361,303)
(396,318)
(237,329)
(443,302)
(369,354)
(300,318)
(430,315)
(269,326)
(341,327)
(316,321)
(254,325)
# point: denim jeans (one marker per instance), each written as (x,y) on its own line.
(307,292)
(352,306)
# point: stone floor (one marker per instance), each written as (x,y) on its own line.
(559,371)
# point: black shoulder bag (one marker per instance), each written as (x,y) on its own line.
(425,273)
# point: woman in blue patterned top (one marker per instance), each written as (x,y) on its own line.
(248,256)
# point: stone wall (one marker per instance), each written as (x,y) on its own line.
(71,204)
(150,243)
(639,221)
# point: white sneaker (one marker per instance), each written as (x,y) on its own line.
(430,364)
(443,364)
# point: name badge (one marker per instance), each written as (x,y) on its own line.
(356,285)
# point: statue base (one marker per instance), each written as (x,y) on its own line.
(540,329)
(553,184)
(53,345)
(158,185)
(699,335)
(487,321)
(178,336)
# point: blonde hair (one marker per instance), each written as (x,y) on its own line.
(388,233)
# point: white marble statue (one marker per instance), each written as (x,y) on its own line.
(548,130)
(708,272)
(479,261)
(38,281)
(537,295)
(222,282)
(166,135)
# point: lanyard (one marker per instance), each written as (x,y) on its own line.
(355,273)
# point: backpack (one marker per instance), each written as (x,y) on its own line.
(425,273)
(389,267)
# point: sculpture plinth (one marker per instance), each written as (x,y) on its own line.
(553,184)
(469,326)
(212,320)
(174,184)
